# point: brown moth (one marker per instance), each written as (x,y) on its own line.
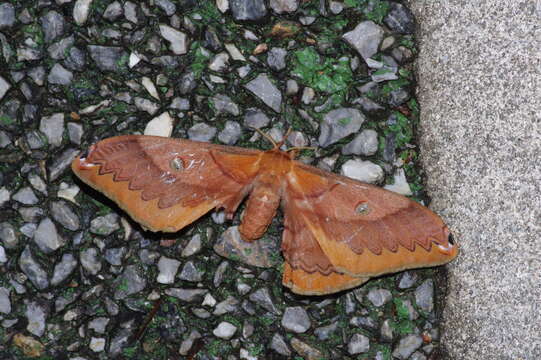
(338,232)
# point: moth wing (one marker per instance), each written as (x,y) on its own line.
(307,270)
(164,183)
(363,230)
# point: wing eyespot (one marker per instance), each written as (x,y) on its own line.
(177,164)
(362,208)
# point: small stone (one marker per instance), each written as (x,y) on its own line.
(219,273)
(53,128)
(105,225)
(61,163)
(186,345)
(108,58)
(129,283)
(75,132)
(209,300)
(114,256)
(167,6)
(264,89)
(248,10)
(276,58)
(63,269)
(231,133)
(25,196)
(4,87)
(179,103)
(53,25)
(365,171)
(98,324)
(407,280)
(191,273)
(386,331)
(384,74)
(97,344)
(130,12)
(7,17)
(188,295)
(365,322)
(81,9)
(113,11)
(256,118)
(324,332)
(224,104)
(68,192)
(295,319)
(90,261)
(358,344)
(398,97)
(177,39)
(119,341)
(193,246)
(366,143)
(3,256)
(146,105)
(379,297)
(424,296)
(336,7)
(263,298)
(407,345)
(36,316)
(400,185)
(279,345)
(4,197)
(292,87)
(305,350)
(33,269)
(29,346)
(76,59)
(187,83)
(400,19)
(47,237)
(62,213)
(339,123)
(308,95)
(256,253)
(168,270)
(58,51)
(222,5)
(234,52)
(230,304)
(220,62)
(365,38)
(225,330)
(284,6)
(160,126)
(5,302)
(201,132)
(150,87)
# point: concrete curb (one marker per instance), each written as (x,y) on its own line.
(479,88)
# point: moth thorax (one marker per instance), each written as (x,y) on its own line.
(260,210)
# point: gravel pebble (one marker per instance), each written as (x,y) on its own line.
(296,319)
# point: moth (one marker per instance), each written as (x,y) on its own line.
(338,232)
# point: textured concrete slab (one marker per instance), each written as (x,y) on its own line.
(479,71)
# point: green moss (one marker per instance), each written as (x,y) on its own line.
(401,309)
(6,120)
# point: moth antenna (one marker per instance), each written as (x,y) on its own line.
(266,137)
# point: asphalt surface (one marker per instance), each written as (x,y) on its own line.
(479,73)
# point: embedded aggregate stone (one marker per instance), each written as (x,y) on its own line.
(47,237)
(168,269)
(191,273)
(424,296)
(193,246)
(53,127)
(264,89)
(366,143)
(256,118)
(4,87)
(230,134)
(53,25)
(263,298)
(400,19)
(177,39)
(339,123)
(61,163)
(365,171)
(63,269)
(107,58)
(5,302)
(36,316)
(62,213)
(8,235)
(130,282)
(379,297)
(358,344)
(279,345)
(90,260)
(296,319)
(248,10)
(202,132)
(105,225)
(365,38)
(7,17)
(407,345)
(25,196)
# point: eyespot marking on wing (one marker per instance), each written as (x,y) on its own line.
(177,164)
(362,208)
